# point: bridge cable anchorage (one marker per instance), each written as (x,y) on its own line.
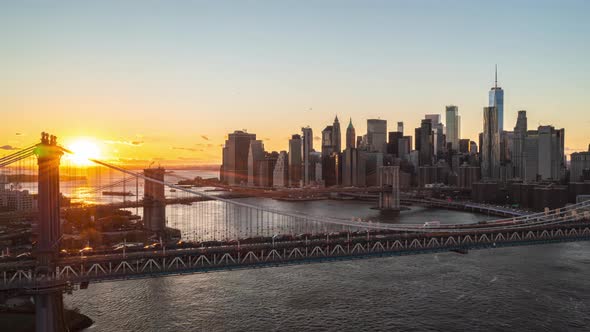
(517,222)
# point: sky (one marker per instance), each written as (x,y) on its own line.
(168,80)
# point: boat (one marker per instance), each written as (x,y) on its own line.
(172,190)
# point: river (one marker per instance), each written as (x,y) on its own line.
(536,288)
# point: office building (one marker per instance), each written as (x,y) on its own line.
(453,123)
(426,143)
(580,166)
(490,149)
(234,168)
(327,141)
(393,143)
(468,175)
(306,150)
(280,176)
(404,147)
(331,169)
(266,169)
(544,154)
(349,167)
(517,152)
(255,154)
(464,145)
(336,136)
(376,135)
(551,152)
(295,150)
(350,136)
(438,132)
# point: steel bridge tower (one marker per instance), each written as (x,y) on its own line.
(48,296)
(389,194)
(154,201)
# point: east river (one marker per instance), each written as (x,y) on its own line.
(536,288)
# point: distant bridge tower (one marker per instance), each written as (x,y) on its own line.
(389,182)
(48,299)
(154,201)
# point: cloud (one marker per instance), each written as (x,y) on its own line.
(266,139)
(208,145)
(317,138)
(131,143)
(205,137)
(19,134)
(187,149)
(8,147)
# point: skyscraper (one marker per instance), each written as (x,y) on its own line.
(580,164)
(543,154)
(235,157)
(453,122)
(490,149)
(393,142)
(336,136)
(404,146)
(426,142)
(350,136)
(280,175)
(306,149)
(266,169)
(520,131)
(400,127)
(434,118)
(496,97)
(327,141)
(349,167)
(438,132)
(255,155)
(551,152)
(377,135)
(294,155)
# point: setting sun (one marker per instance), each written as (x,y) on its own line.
(82,151)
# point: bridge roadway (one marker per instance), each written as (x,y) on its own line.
(321,248)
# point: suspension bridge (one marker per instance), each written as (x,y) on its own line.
(226,233)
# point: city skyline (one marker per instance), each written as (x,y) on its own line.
(290,165)
(187,107)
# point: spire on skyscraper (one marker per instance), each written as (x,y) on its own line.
(350,123)
(496,77)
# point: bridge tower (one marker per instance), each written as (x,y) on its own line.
(48,297)
(154,201)
(389,194)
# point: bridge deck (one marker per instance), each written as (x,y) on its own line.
(74,270)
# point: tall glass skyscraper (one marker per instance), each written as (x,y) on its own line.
(497,100)
(453,121)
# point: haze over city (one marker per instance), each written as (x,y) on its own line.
(150,81)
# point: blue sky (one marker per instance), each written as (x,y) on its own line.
(171,71)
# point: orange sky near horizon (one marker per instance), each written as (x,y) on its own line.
(154,82)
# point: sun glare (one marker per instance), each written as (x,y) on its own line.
(83,150)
